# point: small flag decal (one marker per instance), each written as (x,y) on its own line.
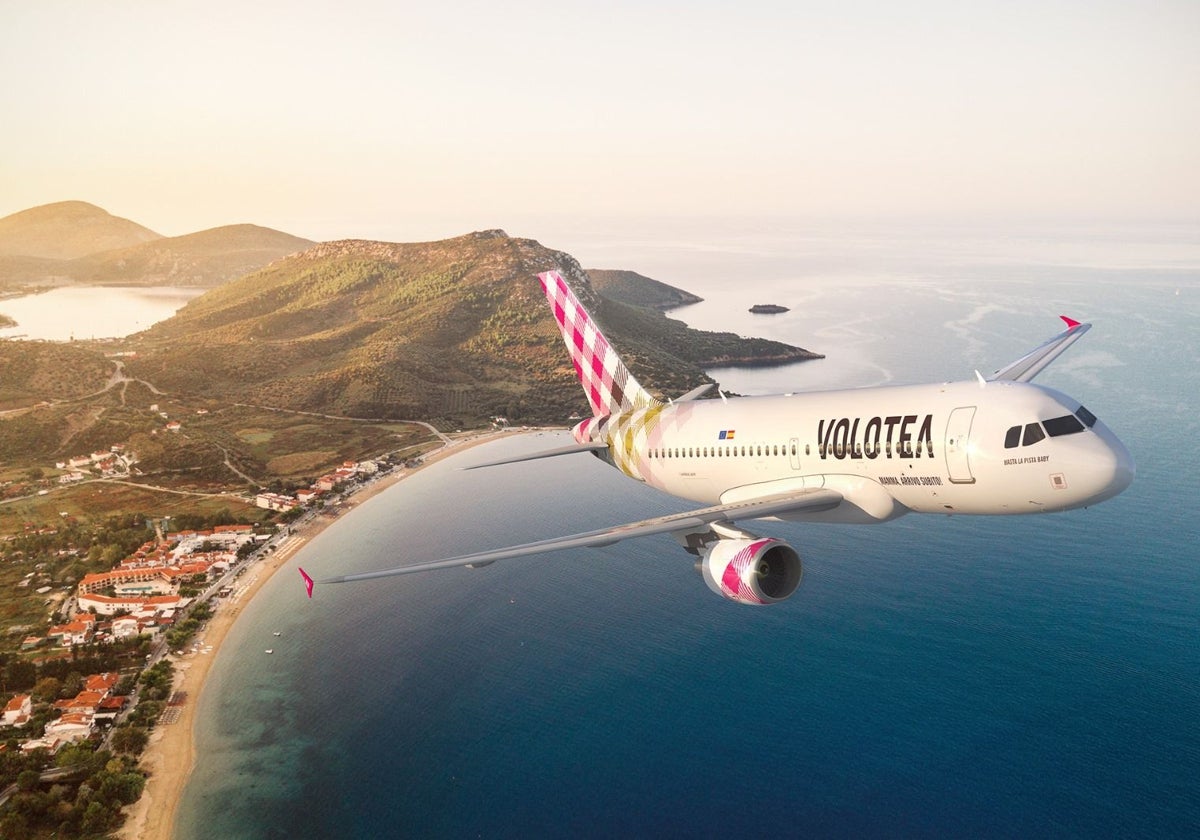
(725,434)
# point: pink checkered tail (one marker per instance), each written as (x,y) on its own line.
(609,386)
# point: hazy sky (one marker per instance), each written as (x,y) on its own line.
(403,120)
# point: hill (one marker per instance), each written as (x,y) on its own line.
(455,331)
(67,230)
(76,242)
(639,290)
(207,258)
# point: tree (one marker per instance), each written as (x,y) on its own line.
(129,739)
(19,675)
(28,780)
(47,689)
(72,684)
(13,824)
(96,818)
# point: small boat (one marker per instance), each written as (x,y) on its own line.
(269,650)
(276,633)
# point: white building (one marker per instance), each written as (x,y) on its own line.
(18,710)
(69,727)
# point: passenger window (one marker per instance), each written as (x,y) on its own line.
(1033,434)
(1068,424)
(1086,416)
(1012,439)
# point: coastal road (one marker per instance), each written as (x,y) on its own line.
(442,437)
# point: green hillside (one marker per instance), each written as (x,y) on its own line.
(452,331)
(639,290)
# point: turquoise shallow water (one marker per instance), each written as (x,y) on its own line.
(932,677)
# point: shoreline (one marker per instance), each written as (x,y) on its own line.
(170,754)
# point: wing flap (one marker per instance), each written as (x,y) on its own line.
(804,500)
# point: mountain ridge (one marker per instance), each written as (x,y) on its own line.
(456,330)
(66,230)
(74,242)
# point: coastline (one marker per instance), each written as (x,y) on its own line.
(171,754)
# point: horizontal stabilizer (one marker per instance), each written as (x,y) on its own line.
(695,393)
(1036,360)
(573,449)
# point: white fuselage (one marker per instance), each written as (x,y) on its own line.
(889,451)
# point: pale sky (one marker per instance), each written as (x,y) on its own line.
(402,121)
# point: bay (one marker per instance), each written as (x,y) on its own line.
(87,312)
(998,677)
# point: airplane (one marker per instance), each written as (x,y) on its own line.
(994,445)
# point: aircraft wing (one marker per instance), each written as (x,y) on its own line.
(1036,360)
(805,500)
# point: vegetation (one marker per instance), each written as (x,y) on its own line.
(638,290)
(85,802)
(81,790)
(181,634)
(453,332)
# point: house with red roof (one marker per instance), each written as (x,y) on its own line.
(18,710)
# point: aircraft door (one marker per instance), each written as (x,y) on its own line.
(958,437)
(794,452)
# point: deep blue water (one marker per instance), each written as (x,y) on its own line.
(1003,677)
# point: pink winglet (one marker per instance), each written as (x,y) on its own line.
(1071,322)
(308,582)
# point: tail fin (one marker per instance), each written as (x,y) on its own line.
(610,387)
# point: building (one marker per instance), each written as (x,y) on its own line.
(104,683)
(124,627)
(152,580)
(77,632)
(105,605)
(69,728)
(18,710)
(274,501)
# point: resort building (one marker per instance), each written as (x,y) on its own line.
(106,605)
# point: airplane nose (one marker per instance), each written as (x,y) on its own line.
(1124,469)
(1111,467)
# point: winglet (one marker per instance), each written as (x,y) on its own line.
(1036,360)
(308,582)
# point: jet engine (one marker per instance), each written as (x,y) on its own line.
(751,571)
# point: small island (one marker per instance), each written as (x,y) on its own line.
(6,322)
(768,309)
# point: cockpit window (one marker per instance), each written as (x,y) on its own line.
(1033,433)
(1086,416)
(1068,424)
(1012,439)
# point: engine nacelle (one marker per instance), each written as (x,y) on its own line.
(760,571)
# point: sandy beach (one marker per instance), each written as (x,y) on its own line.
(170,754)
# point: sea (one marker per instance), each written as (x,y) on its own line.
(932,677)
